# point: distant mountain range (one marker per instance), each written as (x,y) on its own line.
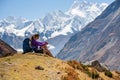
(99,40)
(56,27)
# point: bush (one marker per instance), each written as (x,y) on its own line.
(93,75)
(108,73)
(117,72)
(75,64)
(83,68)
(71,75)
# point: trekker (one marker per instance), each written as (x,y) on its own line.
(27,46)
(40,47)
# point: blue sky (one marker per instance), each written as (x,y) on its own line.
(32,9)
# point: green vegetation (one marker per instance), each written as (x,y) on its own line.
(93,75)
(76,65)
(109,74)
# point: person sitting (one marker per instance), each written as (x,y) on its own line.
(40,47)
(27,46)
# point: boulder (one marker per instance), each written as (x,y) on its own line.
(98,66)
(6,50)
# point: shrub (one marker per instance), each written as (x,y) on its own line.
(108,73)
(71,75)
(93,75)
(75,64)
(84,68)
(117,72)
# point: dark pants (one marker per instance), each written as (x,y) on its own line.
(38,51)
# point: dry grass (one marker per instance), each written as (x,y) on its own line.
(71,75)
(75,65)
(22,67)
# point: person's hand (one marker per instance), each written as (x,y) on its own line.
(46,42)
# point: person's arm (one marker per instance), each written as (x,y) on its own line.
(41,43)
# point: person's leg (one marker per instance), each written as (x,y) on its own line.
(46,51)
(49,53)
(40,51)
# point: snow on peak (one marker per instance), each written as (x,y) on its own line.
(83,9)
(57,22)
(77,12)
(75,4)
(13,19)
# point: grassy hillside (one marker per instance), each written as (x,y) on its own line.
(42,67)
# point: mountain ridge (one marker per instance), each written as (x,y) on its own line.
(99,40)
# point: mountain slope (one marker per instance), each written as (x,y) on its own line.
(42,67)
(51,27)
(99,40)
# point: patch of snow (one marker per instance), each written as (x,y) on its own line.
(94,8)
(45,38)
(1,29)
(77,12)
(51,47)
(103,5)
(19,50)
(66,30)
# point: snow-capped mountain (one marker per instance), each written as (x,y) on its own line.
(56,27)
